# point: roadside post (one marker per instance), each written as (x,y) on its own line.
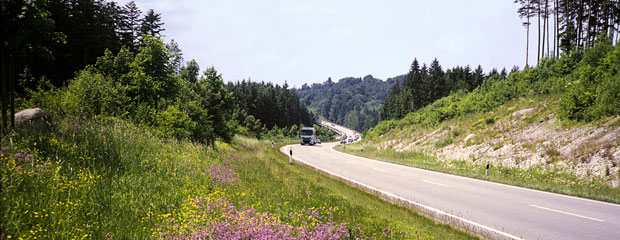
(362,151)
(271,144)
(290,158)
(487,173)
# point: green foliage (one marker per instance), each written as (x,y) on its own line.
(173,122)
(422,86)
(273,106)
(587,81)
(352,102)
(594,90)
(91,93)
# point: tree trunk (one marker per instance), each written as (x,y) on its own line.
(538,60)
(527,40)
(3,90)
(544,31)
(547,24)
(12,91)
(588,27)
(556,28)
(579,24)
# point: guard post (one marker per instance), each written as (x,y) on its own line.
(487,172)
(290,158)
(271,144)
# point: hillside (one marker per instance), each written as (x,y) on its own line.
(352,102)
(554,127)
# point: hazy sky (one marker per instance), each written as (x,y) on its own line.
(309,41)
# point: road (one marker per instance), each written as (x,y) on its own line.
(489,209)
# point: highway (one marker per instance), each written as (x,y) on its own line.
(491,210)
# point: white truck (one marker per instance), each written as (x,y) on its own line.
(307,135)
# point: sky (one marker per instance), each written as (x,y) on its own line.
(301,41)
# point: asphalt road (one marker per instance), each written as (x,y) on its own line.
(491,209)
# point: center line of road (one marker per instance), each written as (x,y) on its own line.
(567,213)
(443,185)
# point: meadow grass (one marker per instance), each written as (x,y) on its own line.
(549,180)
(109,179)
(281,188)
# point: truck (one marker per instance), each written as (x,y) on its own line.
(307,135)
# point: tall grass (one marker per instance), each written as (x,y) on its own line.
(109,179)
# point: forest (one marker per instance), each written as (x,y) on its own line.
(352,102)
(568,25)
(96,59)
(423,85)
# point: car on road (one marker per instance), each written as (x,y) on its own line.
(350,140)
(343,141)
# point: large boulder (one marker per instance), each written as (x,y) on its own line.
(32,116)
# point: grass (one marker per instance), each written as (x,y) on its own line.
(290,187)
(108,179)
(535,178)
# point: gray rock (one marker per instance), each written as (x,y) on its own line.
(33,116)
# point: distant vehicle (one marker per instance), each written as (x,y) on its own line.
(307,135)
(350,140)
(343,141)
(318,141)
(333,125)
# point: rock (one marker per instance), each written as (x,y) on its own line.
(522,112)
(469,137)
(33,116)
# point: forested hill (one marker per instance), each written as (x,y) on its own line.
(352,102)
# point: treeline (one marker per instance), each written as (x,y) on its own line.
(136,77)
(352,102)
(585,84)
(56,39)
(423,85)
(569,25)
(144,89)
(263,106)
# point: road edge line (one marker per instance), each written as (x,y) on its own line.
(436,214)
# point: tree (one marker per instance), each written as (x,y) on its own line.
(130,25)
(25,36)
(151,24)
(176,56)
(190,72)
(526,11)
(218,103)
(152,76)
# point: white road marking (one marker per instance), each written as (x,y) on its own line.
(431,209)
(567,213)
(380,170)
(440,184)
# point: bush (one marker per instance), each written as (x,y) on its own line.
(587,81)
(173,122)
(91,93)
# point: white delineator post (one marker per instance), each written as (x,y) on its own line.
(271,144)
(290,158)
(487,172)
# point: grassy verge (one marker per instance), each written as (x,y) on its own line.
(535,178)
(109,179)
(284,188)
